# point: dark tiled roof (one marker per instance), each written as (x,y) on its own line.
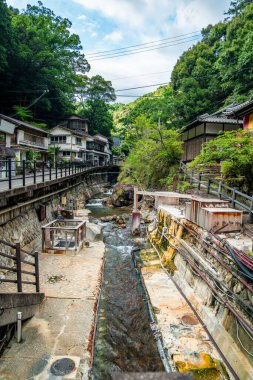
(21,123)
(7,152)
(240,109)
(101,138)
(79,132)
(216,117)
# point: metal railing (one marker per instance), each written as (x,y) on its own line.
(18,270)
(218,188)
(15,173)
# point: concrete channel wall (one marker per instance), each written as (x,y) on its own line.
(21,223)
(198,273)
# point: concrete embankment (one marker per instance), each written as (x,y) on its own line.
(23,222)
(63,325)
(207,334)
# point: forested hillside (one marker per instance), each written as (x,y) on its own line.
(215,72)
(43,70)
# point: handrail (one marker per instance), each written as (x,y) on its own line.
(17,268)
(206,182)
(15,173)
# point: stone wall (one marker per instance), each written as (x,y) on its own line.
(26,227)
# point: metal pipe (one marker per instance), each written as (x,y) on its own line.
(19,327)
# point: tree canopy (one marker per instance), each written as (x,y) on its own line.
(234,151)
(152,162)
(47,57)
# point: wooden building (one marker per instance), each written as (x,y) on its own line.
(206,127)
(242,111)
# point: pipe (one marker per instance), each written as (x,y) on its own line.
(19,327)
(198,317)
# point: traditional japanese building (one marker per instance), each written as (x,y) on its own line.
(204,128)
(24,137)
(243,111)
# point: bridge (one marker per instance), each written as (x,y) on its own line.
(33,179)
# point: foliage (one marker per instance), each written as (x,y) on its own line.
(94,93)
(99,115)
(156,107)
(219,69)
(44,56)
(53,154)
(32,155)
(234,151)
(150,162)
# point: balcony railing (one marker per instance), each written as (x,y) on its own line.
(16,174)
(33,143)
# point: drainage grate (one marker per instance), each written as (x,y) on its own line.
(62,367)
(190,319)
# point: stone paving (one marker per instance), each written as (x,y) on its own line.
(64,323)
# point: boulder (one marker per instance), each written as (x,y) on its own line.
(122,195)
(93,232)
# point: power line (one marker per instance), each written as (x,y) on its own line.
(144,44)
(150,85)
(138,96)
(141,75)
(145,50)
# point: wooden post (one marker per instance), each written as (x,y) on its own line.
(9,173)
(43,171)
(208,186)
(18,266)
(34,172)
(233,198)
(23,170)
(220,189)
(37,274)
(199,184)
(135,198)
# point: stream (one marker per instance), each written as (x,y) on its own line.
(124,340)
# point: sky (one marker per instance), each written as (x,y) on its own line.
(105,25)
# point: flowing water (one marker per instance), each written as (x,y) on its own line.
(123,341)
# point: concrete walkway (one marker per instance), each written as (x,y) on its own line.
(64,324)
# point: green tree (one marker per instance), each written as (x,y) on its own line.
(234,151)
(94,95)
(152,163)
(47,57)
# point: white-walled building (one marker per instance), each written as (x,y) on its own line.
(22,137)
(75,143)
(72,143)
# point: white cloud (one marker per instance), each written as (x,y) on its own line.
(114,37)
(82,17)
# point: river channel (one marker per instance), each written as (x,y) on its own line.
(123,338)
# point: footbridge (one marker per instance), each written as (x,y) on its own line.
(33,180)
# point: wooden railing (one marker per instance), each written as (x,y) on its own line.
(218,188)
(17,268)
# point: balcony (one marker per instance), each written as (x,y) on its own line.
(35,144)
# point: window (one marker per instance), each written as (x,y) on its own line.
(58,139)
(67,153)
(2,138)
(78,141)
(80,155)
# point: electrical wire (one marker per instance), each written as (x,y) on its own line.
(148,47)
(135,88)
(144,44)
(143,50)
(237,334)
(141,75)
